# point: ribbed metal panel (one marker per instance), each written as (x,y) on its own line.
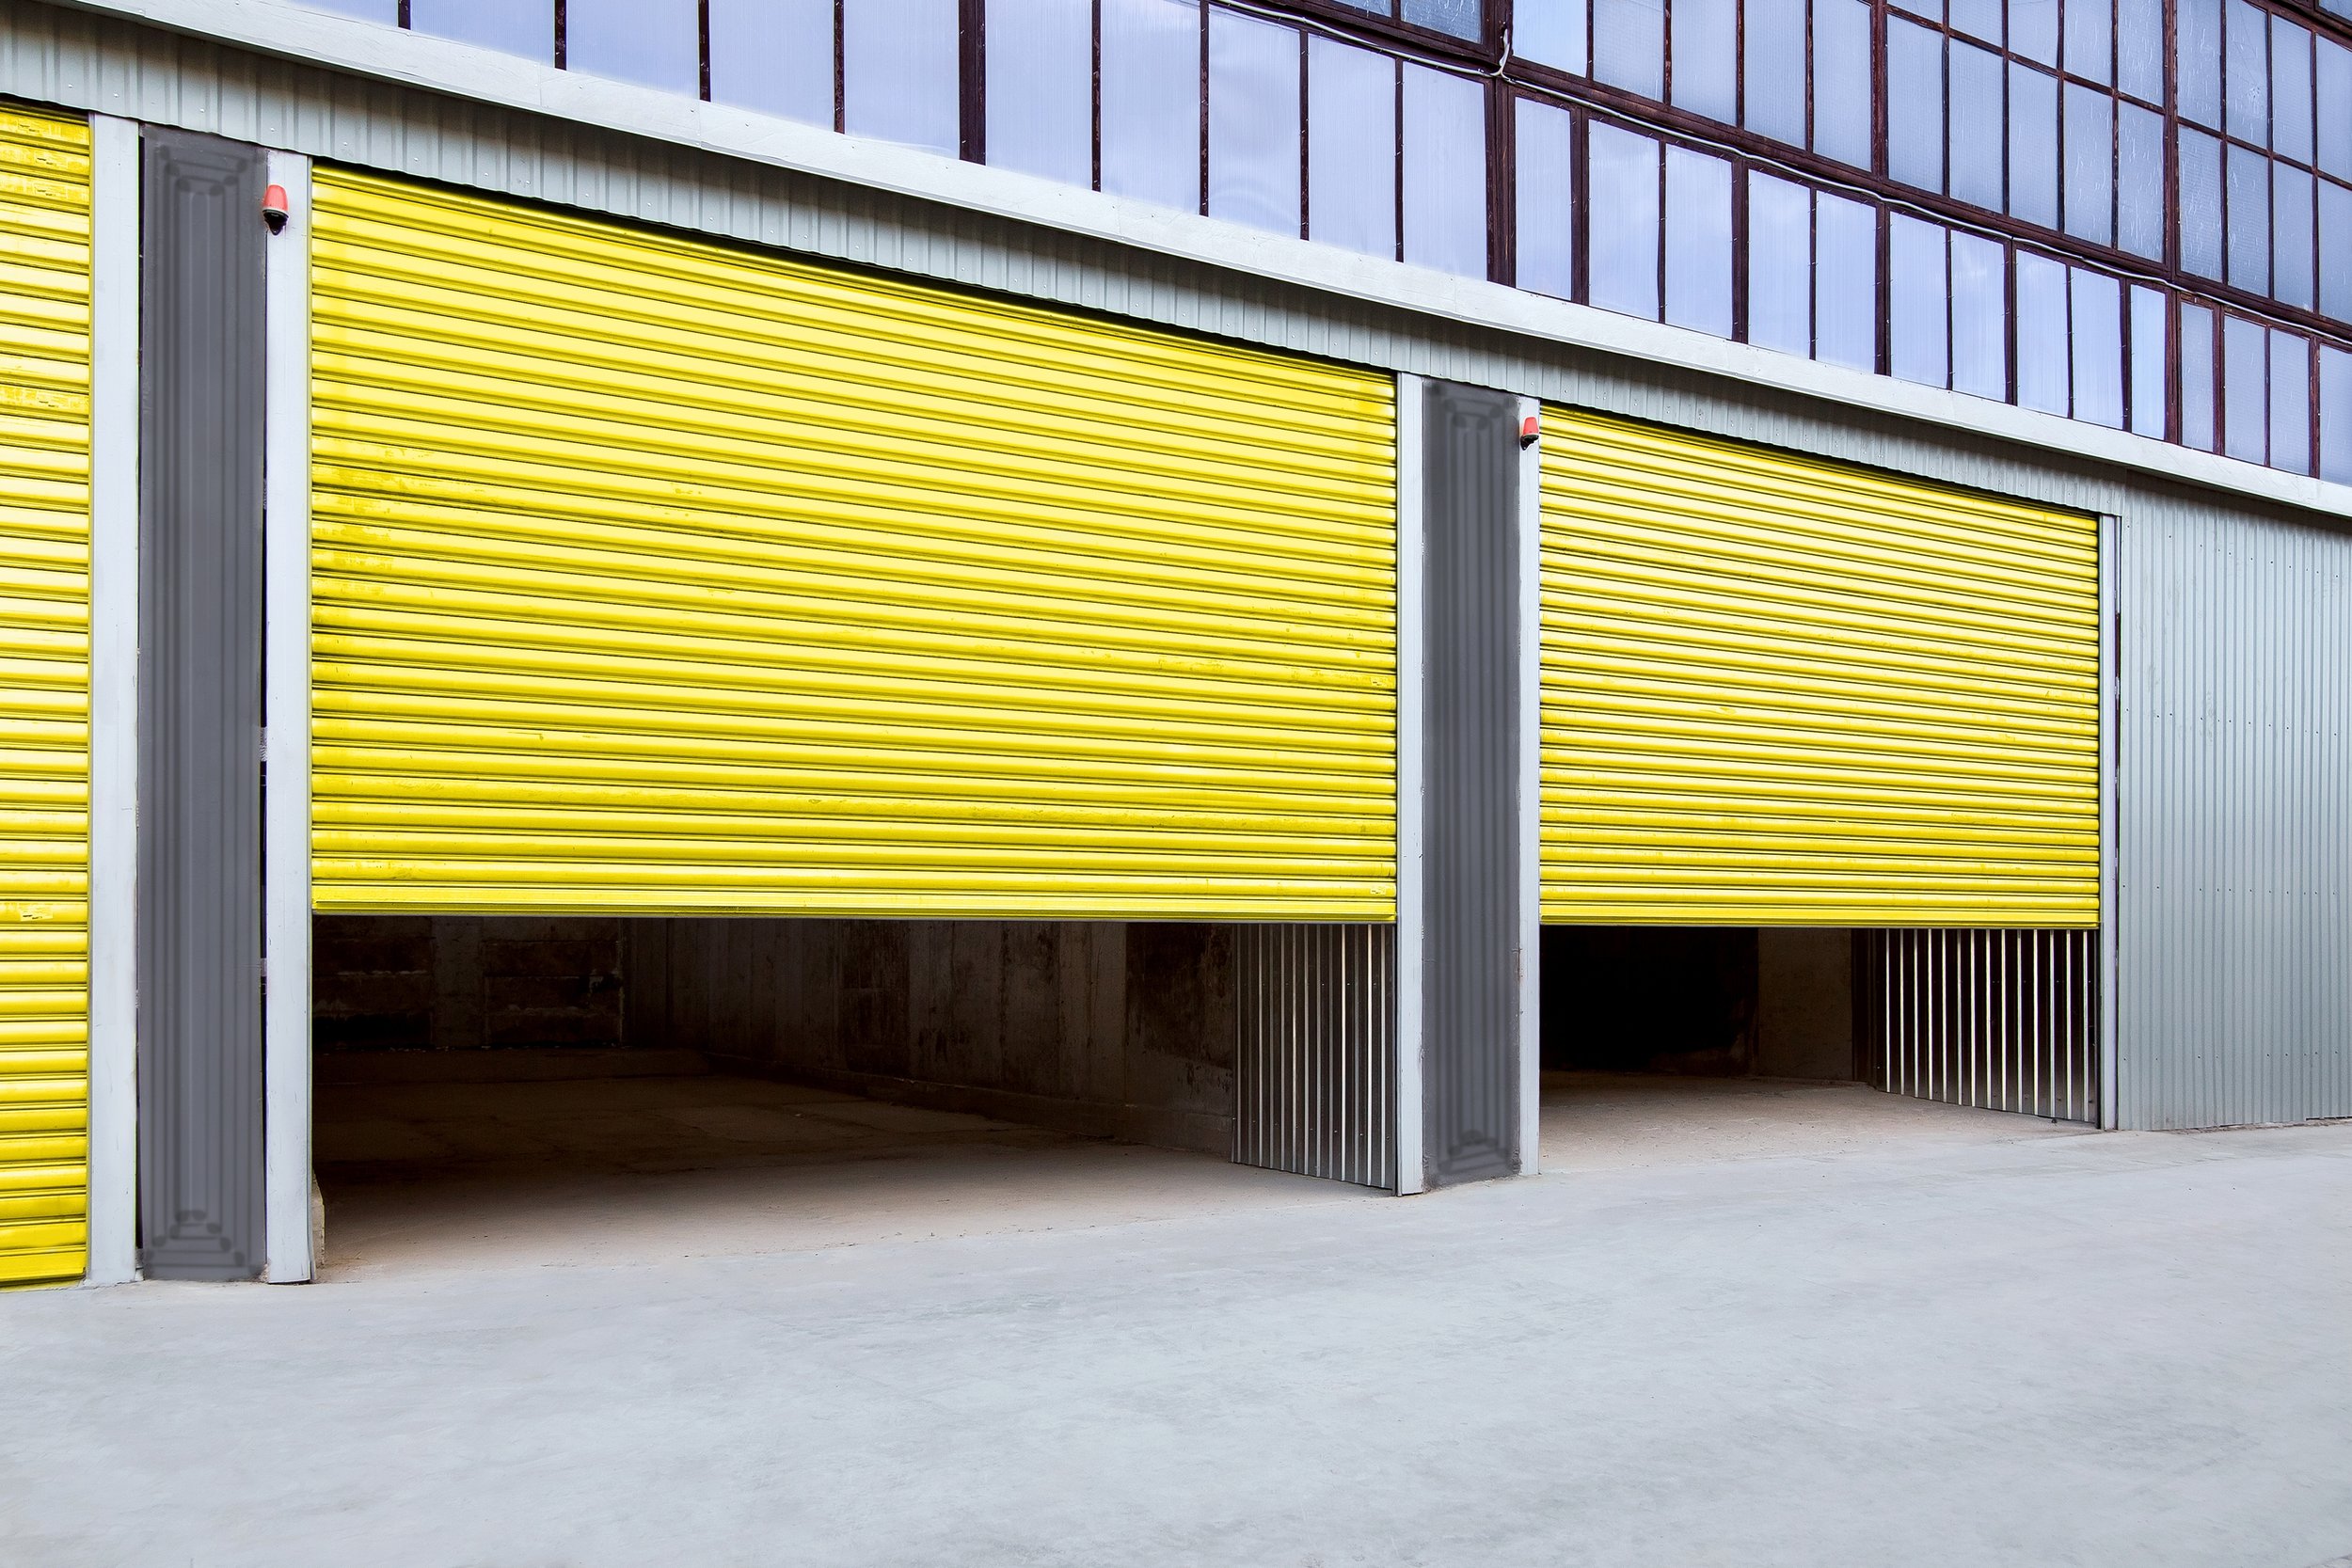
(1780,692)
(653,577)
(1316,1051)
(2002,1019)
(2235,860)
(44,695)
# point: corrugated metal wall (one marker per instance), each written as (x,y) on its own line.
(2235,856)
(1314,1065)
(2004,1020)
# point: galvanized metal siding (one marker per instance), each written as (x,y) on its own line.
(1779,691)
(2235,860)
(2004,1020)
(656,578)
(44,695)
(1314,1070)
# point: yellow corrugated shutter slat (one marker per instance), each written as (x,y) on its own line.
(44,696)
(655,576)
(1783,692)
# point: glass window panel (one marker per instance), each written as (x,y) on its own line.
(387,12)
(2246,82)
(2097,341)
(2335,250)
(1842,76)
(1979,19)
(1629,45)
(1933,9)
(1918,326)
(2091,39)
(655,43)
(2197,423)
(1698,240)
(1706,61)
(2249,220)
(2333,91)
(1458,18)
(2199,78)
(2042,356)
(1351,147)
(1151,102)
(514,26)
(2139,48)
(773,56)
(2290,403)
(1845,282)
(2033,146)
(1979,317)
(2148,362)
(1774,46)
(2245,389)
(1915,104)
(1621,182)
(1047,128)
(2139,195)
(2290,89)
(2200,203)
(1445,172)
(2033,29)
(1550,32)
(2335,414)
(2090,165)
(1253,122)
(1975,125)
(899,71)
(1545,157)
(2291,235)
(1780,264)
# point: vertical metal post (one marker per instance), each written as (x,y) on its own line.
(1528,734)
(1411,774)
(2110,752)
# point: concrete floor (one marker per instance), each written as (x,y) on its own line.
(1748,1324)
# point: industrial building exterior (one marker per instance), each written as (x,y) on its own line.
(1278,544)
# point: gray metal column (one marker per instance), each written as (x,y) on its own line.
(199,924)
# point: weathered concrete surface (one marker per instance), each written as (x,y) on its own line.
(2041,1349)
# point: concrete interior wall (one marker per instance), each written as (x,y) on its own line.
(1805,984)
(1705,1001)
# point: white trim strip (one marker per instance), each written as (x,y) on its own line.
(1530,795)
(1412,778)
(2110,800)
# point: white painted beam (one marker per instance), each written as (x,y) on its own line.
(1530,792)
(1412,764)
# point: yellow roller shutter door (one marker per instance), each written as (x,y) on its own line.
(652,576)
(44,696)
(1783,692)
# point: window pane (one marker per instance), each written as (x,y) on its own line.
(1047,127)
(2335,250)
(1780,265)
(773,56)
(2249,220)
(1915,104)
(1979,317)
(2291,235)
(2200,203)
(2290,403)
(1845,282)
(2042,356)
(1546,153)
(1774,46)
(1841,81)
(2033,146)
(2139,199)
(655,43)
(2245,84)
(1706,35)
(2335,414)
(1445,172)
(1698,240)
(2090,165)
(2245,389)
(899,71)
(1151,102)
(1629,45)
(2089,39)
(1351,147)
(1979,19)
(1458,18)
(1550,32)
(2033,29)
(1253,122)
(2290,89)
(1916,324)
(2196,425)
(2200,84)
(1975,125)
(517,26)
(2334,90)
(2148,362)
(1621,178)
(2139,48)
(2098,349)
